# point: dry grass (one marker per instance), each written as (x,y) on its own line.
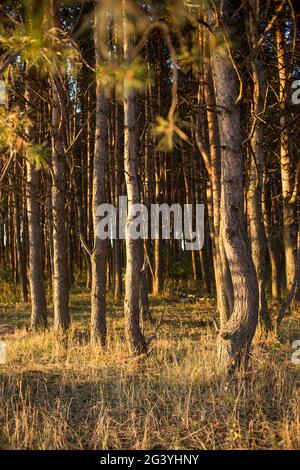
(56,396)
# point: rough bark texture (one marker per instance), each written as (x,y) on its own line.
(158,167)
(289,216)
(36,274)
(20,248)
(117,244)
(99,254)
(35,235)
(60,282)
(295,285)
(271,228)
(236,335)
(133,331)
(222,274)
(257,156)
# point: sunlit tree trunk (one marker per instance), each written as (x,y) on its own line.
(134,334)
(213,163)
(271,228)
(289,216)
(257,157)
(99,253)
(19,226)
(117,244)
(158,169)
(36,252)
(236,335)
(60,282)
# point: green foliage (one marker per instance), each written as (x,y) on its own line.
(50,50)
(217,42)
(169,133)
(123,77)
(190,59)
(37,154)
(12,126)
(135,76)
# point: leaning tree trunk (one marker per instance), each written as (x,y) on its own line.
(36,274)
(223,279)
(236,335)
(134,334)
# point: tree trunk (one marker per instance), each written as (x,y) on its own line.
(60,282)
(117,252)
(158,168)
(294,288)
(257,232)
(134,334)
(100,249)
(36,252)
(271,228)
(20,252)
(236,335)
(222,273)
(289,215)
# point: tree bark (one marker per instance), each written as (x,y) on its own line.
(257,156)
(236,335)
(60,282)
(271,228)
(288,209)
(222,274)
(133,331)
(36,252)
(19,239)
(100,249)
(295,285)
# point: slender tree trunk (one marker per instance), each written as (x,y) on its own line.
(60,282)
(158,164)
(134,334)
(188,200)
(257,232)
(271,226)
(19,235)
(36,274)
(3,235)
(36,252)
(295,286)
(89,177)
(289,215)
(100,249)
(49,227)
(117,253)
(144,300)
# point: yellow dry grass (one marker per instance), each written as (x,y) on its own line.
(71,395)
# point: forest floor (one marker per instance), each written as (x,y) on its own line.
(56,395)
